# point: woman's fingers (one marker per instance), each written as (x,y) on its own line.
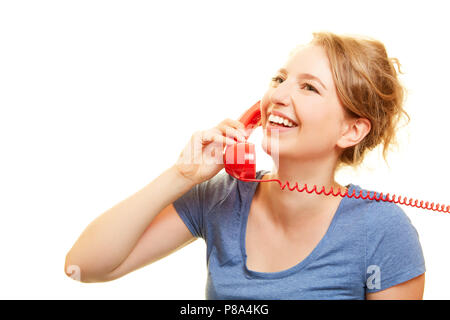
(233,128)
(214,135)
(202,157)
(234,123)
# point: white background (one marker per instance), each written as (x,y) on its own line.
(97,98)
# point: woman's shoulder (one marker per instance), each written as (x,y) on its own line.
(223,187)
(379,214)
(391,241)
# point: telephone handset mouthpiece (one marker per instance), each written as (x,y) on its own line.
(240,158)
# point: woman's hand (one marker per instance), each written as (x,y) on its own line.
(202,158)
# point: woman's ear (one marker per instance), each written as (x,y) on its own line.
(354,130)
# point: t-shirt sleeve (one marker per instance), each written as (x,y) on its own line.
(393,251)
(193,207)
(189,208)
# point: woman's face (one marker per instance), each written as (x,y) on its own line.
(304,91)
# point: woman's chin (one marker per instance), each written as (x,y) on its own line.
(272,144)
(275,149)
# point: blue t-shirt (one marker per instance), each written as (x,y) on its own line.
(369,246)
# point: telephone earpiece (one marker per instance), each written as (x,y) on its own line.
(240,162)
(240,158)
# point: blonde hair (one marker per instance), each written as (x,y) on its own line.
(368,87)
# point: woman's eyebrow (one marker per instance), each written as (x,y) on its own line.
(305,76)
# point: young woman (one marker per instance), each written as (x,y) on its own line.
(343,98)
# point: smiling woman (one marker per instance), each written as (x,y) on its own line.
(334,99)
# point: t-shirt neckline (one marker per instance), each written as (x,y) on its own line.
(299,266)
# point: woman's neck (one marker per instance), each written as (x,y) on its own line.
(289,209)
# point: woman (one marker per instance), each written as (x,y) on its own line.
(343,98)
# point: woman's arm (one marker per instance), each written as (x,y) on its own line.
(408,290)
(109,239)
(145,226)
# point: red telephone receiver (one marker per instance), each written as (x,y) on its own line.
(240,162)
(240,158)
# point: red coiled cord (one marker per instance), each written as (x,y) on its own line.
(438,207)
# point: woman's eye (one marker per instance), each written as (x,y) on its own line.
(310,87)
(275,79)
(305,85)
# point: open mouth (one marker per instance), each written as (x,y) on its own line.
(281,122)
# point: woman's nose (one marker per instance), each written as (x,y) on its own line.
(281,94)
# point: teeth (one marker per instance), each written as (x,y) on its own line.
(280,120)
